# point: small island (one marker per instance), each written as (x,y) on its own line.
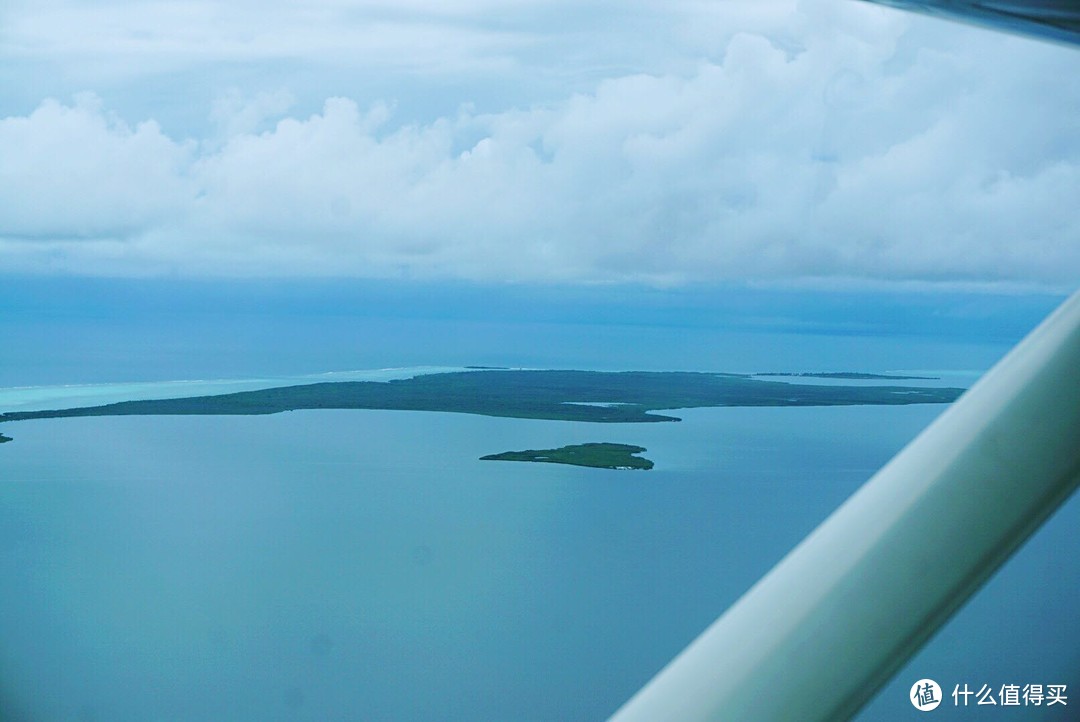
(4,438)
(596,455)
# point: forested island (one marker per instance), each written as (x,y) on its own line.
(596,396)
(597,455)
(851,376)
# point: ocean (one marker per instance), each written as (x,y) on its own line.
(366,565)
(318,565)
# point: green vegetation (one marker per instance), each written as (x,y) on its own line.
(852,376)
(595,396)
(4,438)
(598,455)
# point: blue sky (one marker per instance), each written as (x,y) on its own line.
(822,144)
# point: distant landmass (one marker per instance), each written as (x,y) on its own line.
(4,438)
(596,396)
(852,375)
(597,455)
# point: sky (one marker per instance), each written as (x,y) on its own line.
(817,144)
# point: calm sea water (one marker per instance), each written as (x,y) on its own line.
(365,565)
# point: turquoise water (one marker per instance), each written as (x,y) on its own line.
(366,565)
(69,396)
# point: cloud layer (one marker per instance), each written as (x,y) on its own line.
(830,142)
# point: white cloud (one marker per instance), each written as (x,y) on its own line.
(235,115)
(73,171)
(834,141)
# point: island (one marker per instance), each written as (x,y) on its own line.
(852,376)
(597,455)
(4,438)
(593,396)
